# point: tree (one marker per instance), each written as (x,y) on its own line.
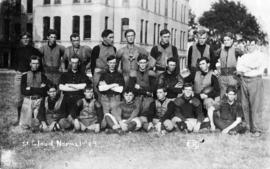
(229,16)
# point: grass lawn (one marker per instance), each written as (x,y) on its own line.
(135,150)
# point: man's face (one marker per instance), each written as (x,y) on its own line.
(165,38)
(74,63)
(34,64)
(252,46)
(171,66)
(227,41)
(142,64)
(75,41)
(204,66)
(88,93)
(25,40)
(202,39)
(130,37)
(109,39)
(231,96)
(52,39)
(188,92)
(52,92)
(128,97)
(161,94)
(112,64)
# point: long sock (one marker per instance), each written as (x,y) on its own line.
(19,112)
(109,121)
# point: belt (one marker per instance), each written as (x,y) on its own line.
(35,97)
(251,77)
(228,71)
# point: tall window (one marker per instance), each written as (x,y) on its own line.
(125,3)
(146,28)
(181,12)
(46,26)
(158,33)
(165,25)
(76,1)
(57,1)
(180,40)
(141,32)
(17,29)
(87,1)
(174,40)
(155,6)
(106,22)
(159,6)
(18,6)
(176,4)
(87,27)
(172,8)
(29,28)
(184,37)
(154,37)
(6,28)
(184,14)
(146,6)
(172,31)
(142,2)
(106,2)
(166,7)
(57,26)
(47,2)
(124,27)
(76,24)
(29,6)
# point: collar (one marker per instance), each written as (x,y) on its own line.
(200,46)
(53,46)
(105,44)
(164,46)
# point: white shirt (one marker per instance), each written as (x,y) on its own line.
(252,64)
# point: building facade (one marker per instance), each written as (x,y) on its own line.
(90,17)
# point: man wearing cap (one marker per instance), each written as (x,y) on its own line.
(251,68)
(162,52)
(172,81)
(21,65)
(72,84)
(110,85)
(206,87)
(81,51)
(200,49)
(128,55)
(52,55)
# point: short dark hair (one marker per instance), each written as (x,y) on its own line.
(203,58)
(51,31)
(129,90)
(231,89)
(25,34)
(142,57)
(35,57)
(88,87)
(129,30)
(172,59)
(188,85)
(52,85)
(111,57)
(228,34)
(164,31)
(201,32)
(106,33)
(74,35)
(162,87)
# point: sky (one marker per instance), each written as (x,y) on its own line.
(259,8)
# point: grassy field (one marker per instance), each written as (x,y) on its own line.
(135,150)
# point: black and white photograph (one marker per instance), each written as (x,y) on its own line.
(134,84)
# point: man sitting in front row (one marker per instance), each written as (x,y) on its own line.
(160,113)
(229,118)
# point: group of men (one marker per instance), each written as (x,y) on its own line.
(80,89)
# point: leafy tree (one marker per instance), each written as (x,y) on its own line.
(229,16)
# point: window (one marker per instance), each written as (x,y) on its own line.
(184,14)
(46,26)
(176,4)
(181,13)
(165,25)
(6,28)
(76,1)
(141,33)
(125,3)
(17,29)
(76,24)
(47,2)
(146,27)
(158,33)
(87,1)
(175,34)
(159,6)
(146,6)
(29,6)
(172,31)
(57,1)
(184,37)
(155,7)
(18,6)
(29,28)
(142,2)
(106,22)
(57,26)
(166,8)
(106,2)
(154,37)
(124,27)
(87,27)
